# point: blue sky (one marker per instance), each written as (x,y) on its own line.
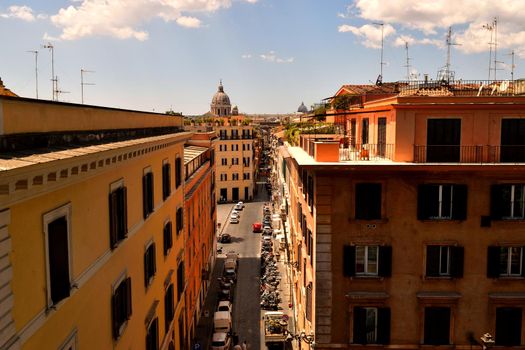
(270,54)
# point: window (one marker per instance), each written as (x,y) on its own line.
(235,161)
(224,177)
(508,326)
(166,180)
(169,307)
(179,218)
(246,176)
(512,144)
(310,193)
(152,335)
(56,228)
(118,216)
(443,140)
(147,194)
(180,279)
(248,145)
(178,172)
(224,161)
(70,343)
(505,262)
(235,176)
(121,306)
(309,242)
(437,325)
(353,132)
(150,266)
(168,238)
(371,325)
(235,147)
(309,302)
(444,261)
(364,131)
(508,202)
(442,202)
(246,161)
(364,260)
(368,201)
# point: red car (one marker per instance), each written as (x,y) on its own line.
(257,227)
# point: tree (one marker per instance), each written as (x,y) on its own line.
(342,102)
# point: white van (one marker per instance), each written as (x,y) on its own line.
(222,322)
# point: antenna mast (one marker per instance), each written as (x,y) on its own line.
(381,63)
(82,71)
(58,91)
(54,80)
(36,70)
(445,73)
(512,66)
(407,61)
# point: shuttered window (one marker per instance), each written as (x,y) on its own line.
(437,326)
(169,307)
(442,202)
(166,180)
(180,280)
(147,194)
(150,266)
(178,172)
(121,306)
(508,326)
(367,261)
(505,262)
(152,335)
(371,325)
(180,220)
(309,302)
(508,202)
(118,216)
(168,238)
(368,201)
(444,261)
(58,258)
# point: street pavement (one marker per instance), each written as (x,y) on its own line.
(247,313)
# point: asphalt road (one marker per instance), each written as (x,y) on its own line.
(246,308)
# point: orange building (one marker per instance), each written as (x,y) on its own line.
(407,230)
(200,221)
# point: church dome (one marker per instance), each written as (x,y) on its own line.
(302,108)
(220,103)
(235,110)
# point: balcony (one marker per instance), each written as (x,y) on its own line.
(469,154)
(367,152)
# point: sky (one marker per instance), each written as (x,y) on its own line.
(157,55)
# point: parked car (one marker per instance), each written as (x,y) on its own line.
(225,294)
(257,227)
(221,341)
(267,231)
(230,274)
(234,220)
(239,206)
(225,238)
(235,214)
(222,320)
(225,305)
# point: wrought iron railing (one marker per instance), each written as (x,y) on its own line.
(469,154)
(463,87)
(367,151)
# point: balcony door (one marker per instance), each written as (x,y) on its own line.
(381,137)
(512,140)
(443,140)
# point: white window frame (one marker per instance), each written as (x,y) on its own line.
(442,215)
(63,211)
(447,273)
(512,201)
(365,263)
(508,272)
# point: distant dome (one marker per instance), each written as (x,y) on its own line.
(235,110)
(220,103)
(302,108)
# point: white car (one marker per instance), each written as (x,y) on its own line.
(239,206)
(220,341)
(234,220)
(235,214)
(225,305)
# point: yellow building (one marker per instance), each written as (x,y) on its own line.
(91,227)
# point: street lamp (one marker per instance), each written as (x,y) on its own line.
(487,341)
(307,338)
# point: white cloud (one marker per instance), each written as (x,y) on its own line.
(431,17)
(124,19)
(369,34)
(189,22)
(272,57)
(246,56)
(25,13)
(402,39)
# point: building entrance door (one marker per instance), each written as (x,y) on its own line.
(235,194)
(381,137)
(246,194)
(224,195)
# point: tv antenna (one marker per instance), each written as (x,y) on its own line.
(512,66)
(493,64)
(35,52)
(445,74)
(379,80)
(407,65)
(58,91)
(82,71)
(54,79)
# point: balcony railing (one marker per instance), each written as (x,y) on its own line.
(462,87)
(236,137)
(370,151)
(469,154)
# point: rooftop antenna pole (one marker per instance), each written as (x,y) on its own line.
(36,70)
(82,71)
(382,46)
(53,78)
(490,28)
(495,46)
(408,61)
(58,91)
(512,66)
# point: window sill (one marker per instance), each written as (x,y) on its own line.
(442,220)
(438,278)
(372,221)
(509,278)
(367,277)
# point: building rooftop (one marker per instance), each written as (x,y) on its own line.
(192,152)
